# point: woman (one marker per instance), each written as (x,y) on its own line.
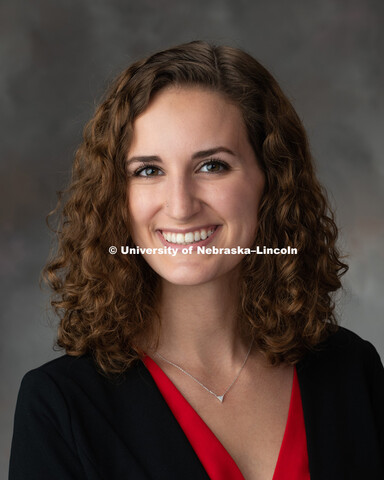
(192,352)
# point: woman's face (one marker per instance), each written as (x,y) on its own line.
(193,181)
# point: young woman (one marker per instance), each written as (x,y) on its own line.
(194,276)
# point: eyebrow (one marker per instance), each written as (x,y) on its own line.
(197,155)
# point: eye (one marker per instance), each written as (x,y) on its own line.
(148,171)
(214,166)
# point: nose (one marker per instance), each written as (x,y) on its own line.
(182,201)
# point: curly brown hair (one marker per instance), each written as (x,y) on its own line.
(106,302)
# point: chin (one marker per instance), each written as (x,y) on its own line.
(193,277)
(186,278)
(194,271)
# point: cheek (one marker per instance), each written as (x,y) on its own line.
(141,208)
(239,200)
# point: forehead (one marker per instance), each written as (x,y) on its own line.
(188,118)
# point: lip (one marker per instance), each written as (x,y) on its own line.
(201,243)
(187,230)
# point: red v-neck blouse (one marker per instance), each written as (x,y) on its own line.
(292,462)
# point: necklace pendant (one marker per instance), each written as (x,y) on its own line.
(219,397)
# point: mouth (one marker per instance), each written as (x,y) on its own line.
(188,238)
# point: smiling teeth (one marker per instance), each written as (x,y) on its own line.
(190,237)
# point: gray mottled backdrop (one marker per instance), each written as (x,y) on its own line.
(57,57)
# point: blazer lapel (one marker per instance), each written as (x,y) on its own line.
(155,437)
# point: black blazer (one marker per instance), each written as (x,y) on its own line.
(72,423)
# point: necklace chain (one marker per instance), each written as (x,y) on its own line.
(218,397)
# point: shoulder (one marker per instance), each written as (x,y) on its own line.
(344,345)
(67,366)
(49,387)
(64,369)
(75,380)
(344,354)
(346,339)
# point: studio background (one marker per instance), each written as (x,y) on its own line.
(58,57)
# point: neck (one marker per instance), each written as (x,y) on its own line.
(199,323)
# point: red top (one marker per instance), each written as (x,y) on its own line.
(219,465)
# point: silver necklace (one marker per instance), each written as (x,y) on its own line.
(219,397)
